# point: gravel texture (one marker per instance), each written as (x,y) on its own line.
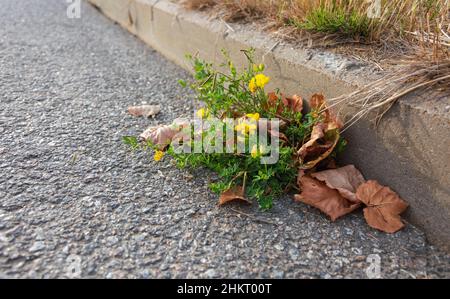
(76,202)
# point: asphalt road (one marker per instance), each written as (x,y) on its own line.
(75,202)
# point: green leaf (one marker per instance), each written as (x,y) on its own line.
(182,83)
(131,141)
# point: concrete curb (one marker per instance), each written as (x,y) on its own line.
(408,152)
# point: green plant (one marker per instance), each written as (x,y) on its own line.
(336,20)
(241,95)
(393,22)
(309,143)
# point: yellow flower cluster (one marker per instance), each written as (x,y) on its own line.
(259,81)
(245,127)
(254,116)
(202,113)
(249,125)
(158,155)
(256,152)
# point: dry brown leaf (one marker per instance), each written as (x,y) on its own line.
(318,102)
(319,195)
(384,206)
(294,103)
(320,145)
(324,136)
(162,135)
(345,180)
(144,110)
(233,194)
(274,102)
(316,133)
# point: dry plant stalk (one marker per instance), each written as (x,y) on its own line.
(417,28)
(380,95)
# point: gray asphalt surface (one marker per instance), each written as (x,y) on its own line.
(76,202)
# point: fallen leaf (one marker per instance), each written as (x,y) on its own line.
(318,103)
(316,133)
(161,136)
(326,199)
(384,206)
(294,103)
(320,145)
(232,194)
(345,180)
(144,110)
(273,101)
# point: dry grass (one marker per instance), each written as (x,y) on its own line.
(400,22)
(379,96)
(413,35)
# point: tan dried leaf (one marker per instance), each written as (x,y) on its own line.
(294,103)
(320,145)
(144,110)
(345,180)
(326,199)
(233,194)
(162,135)
(318,103)
(384,206)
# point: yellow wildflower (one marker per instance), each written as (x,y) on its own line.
(158,155)
(245,127)
(260,80)
(254,116)
(256,152)
(201,113)
(252,85)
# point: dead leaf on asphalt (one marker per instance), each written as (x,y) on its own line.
(384,206)
(144,110)
(162,135)
(326,199)
(345,180)
(233,194)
